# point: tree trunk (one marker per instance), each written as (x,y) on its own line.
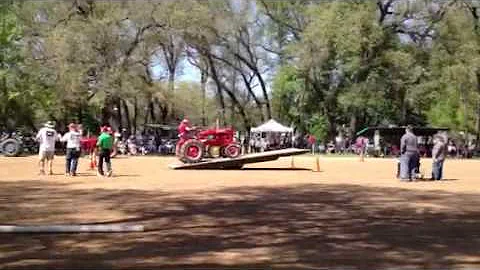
(252,94)
(147,113)
(477,139)
(4,104)
(135,114)
(221,100)
(151,110)
(353,124)
(265,95)
(221,86)
(171,80)
(126,112)
(332,127)
(118,114)
(233,78)
(80,114)
(232,114)
(106,112)
(403,108)
(164,112)
(203,85)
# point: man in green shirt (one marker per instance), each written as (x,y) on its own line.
(105,145)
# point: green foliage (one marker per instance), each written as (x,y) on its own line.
(455,66)
(16,95)
(288,88)
(318,126)
(380,78)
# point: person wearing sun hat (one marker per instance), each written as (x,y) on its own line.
(47,136)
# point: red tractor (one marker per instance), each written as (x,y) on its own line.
(210,143)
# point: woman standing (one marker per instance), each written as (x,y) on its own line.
(72,137)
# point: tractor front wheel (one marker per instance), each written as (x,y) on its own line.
(231,150)
(192,151)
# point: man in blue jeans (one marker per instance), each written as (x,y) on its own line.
(72,137)
(409,158)
(439,152)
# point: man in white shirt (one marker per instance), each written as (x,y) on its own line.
(47,136)
(72,137)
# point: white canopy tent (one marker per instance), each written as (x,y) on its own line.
(271,135)
(271,126)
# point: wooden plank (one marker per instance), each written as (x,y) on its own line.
(107,228)
(237,163)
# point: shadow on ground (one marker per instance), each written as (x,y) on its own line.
(294,227)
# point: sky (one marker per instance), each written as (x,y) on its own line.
(187,72)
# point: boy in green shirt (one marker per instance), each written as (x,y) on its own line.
(105,145)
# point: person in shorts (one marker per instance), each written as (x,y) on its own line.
(47,136)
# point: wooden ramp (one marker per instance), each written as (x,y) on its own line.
(237,163)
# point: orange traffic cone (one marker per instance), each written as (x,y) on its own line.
(93,163)
(317,164)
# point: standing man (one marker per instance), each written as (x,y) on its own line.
(104,145)
(47,136)
(439,152)
(409,158)
(72,137)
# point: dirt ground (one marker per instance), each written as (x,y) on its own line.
(351,215)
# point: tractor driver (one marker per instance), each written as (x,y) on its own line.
(184,133)
(184,129)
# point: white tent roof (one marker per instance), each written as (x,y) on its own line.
(271,126)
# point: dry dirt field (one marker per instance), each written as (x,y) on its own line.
(351,215)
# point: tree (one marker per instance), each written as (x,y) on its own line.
(455,65)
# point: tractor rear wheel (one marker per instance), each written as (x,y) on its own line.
(11,148)
(232,150)
(192,151)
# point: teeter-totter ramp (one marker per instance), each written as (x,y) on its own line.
(237,163)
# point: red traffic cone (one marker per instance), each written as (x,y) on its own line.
(93,163)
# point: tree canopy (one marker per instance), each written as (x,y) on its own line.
(320,66)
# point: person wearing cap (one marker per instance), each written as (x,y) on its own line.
(183,132)
(439,153)
(184,127)
(409,158)
(47,136)
(105,145)
(72,137)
